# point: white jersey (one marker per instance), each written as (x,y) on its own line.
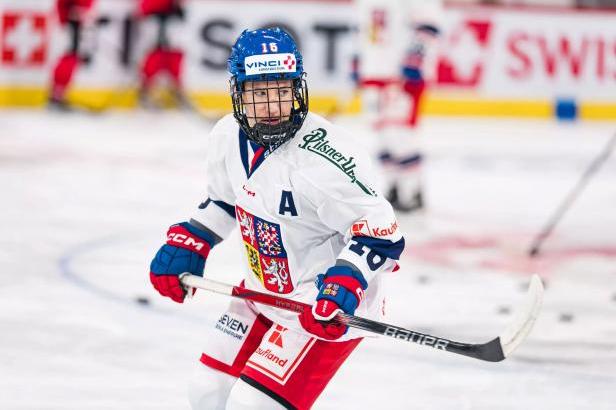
(382,34)
(299,209)
(386,30)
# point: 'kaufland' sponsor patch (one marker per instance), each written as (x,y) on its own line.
(280,353)
(361,228)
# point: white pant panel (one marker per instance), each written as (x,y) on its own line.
(370,104)
(209,388)
(245,397)
(408,185)
(401,141)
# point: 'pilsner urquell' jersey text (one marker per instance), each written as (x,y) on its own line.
(299,210)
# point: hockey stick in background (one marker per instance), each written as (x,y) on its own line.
(570,198)
(495,350)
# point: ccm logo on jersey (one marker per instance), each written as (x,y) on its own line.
(270,63)
(248,191)
(361,228)
(184,239)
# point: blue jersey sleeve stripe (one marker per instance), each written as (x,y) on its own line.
(382,247)
(229,209)
(413,159)
(428,28)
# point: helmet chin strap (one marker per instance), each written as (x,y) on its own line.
(271,133)
(268,129)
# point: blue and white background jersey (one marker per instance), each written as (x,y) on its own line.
(299,209)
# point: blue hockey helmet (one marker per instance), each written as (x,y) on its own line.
(270,57)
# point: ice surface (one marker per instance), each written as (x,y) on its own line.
(86,201)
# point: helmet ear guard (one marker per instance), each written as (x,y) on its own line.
(267,56)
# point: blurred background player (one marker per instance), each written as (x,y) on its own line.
(76,16)
(163,61)
(397,50)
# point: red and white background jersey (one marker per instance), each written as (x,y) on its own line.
(298,210)
(387,30)
(73,9)
(383,29)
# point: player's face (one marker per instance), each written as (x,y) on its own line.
(268,102)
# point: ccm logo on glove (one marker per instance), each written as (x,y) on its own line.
(180,236)
(186,250)
(175,237)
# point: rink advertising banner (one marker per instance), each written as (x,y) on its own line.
(325,40)
(501,61)
(528,58)
(117,41)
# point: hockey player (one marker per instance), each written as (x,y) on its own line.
(302,200)
(163,58)
(73,14)
(401,33)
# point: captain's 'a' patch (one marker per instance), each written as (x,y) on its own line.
(287,204)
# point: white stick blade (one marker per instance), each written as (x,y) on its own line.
(523,323)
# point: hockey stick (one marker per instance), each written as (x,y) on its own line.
(570,198)
(493,351)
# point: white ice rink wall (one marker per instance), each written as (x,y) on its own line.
(511,61)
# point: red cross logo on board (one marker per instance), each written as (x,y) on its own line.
(289,62)
(463,60)
(24,38)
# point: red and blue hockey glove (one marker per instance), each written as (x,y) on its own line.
(186,250)
(341,288)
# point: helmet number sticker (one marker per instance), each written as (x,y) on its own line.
(269,47)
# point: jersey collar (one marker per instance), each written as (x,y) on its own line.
(251,153)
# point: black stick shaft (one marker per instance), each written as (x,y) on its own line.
(570,198)
(491,351)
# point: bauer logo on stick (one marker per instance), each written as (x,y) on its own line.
(420,338)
